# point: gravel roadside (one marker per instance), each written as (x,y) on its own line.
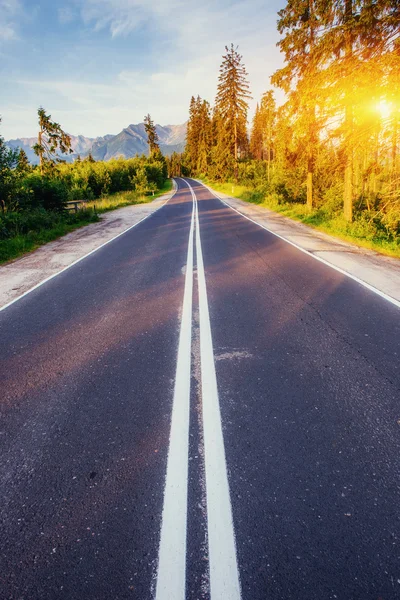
(20,275)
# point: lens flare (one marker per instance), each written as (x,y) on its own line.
(384,108)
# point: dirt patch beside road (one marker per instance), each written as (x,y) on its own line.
(380,272)
(22,274)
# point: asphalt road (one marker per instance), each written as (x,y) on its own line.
(200,411)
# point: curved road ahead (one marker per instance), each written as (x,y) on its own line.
(198,410)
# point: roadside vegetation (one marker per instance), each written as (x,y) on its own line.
(35,201)
(127,198)
(360,231)
(329,155)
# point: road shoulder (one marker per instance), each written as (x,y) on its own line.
(376,270)
(22,274)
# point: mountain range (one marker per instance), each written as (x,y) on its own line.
(129,142)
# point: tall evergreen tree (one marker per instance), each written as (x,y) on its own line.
(23,162)
(299,23)
(232,102)
(50,139)
(175,167)
(256,136)
(359,35)
(267,119)
(329,49)
(152,136)
(193,134)
(204,138)
(221,156)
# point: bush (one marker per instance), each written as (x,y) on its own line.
(44,192)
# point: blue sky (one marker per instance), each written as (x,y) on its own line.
(99,65)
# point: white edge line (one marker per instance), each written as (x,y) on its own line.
(369,287)
(83,257)
(224,572)
(171,571)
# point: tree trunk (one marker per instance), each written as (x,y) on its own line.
(309,190)
(312,125)
(348,171)
(236,151)
(40,152)
(348,188)
(269,150)
(394,143)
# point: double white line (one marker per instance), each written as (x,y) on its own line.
(223,569)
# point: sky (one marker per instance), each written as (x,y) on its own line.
(99,65)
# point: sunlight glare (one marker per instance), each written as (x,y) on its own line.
(384,108)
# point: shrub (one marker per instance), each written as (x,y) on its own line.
(45,192)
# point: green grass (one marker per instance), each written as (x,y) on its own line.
(360,232)
(18,245)
(21,244)
(128,198)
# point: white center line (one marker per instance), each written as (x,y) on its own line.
(171,576)
(224,573)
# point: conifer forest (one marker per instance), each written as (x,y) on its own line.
(329,154)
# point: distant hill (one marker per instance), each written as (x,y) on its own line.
(130,141)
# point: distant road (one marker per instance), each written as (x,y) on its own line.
(198,410)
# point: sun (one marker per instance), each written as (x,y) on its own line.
(384,108)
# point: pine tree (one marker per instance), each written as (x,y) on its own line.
(193,134)
(89,158)
(256,136)
(221,157)
(232,102)
(174,163)
(299,23)
(50,139)
(152,136)
(360,35)
(331,48)
(267,120)
(204,138)
(23,162)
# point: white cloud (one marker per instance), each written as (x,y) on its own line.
(9,12)
(196,34)
(186,42)
(124,16)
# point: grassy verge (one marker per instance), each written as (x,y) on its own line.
(24,242)
(360,232)
(121,199)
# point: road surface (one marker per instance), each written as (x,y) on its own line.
(198,410)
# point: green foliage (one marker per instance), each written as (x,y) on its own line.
(152,136)
(22,232)
(198,136)
(12,169)
(328,155)
(216,140)
(88,179)
(175,165)
(50,139)
(46,192)
(141,183)
(34,205)
(232,104)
